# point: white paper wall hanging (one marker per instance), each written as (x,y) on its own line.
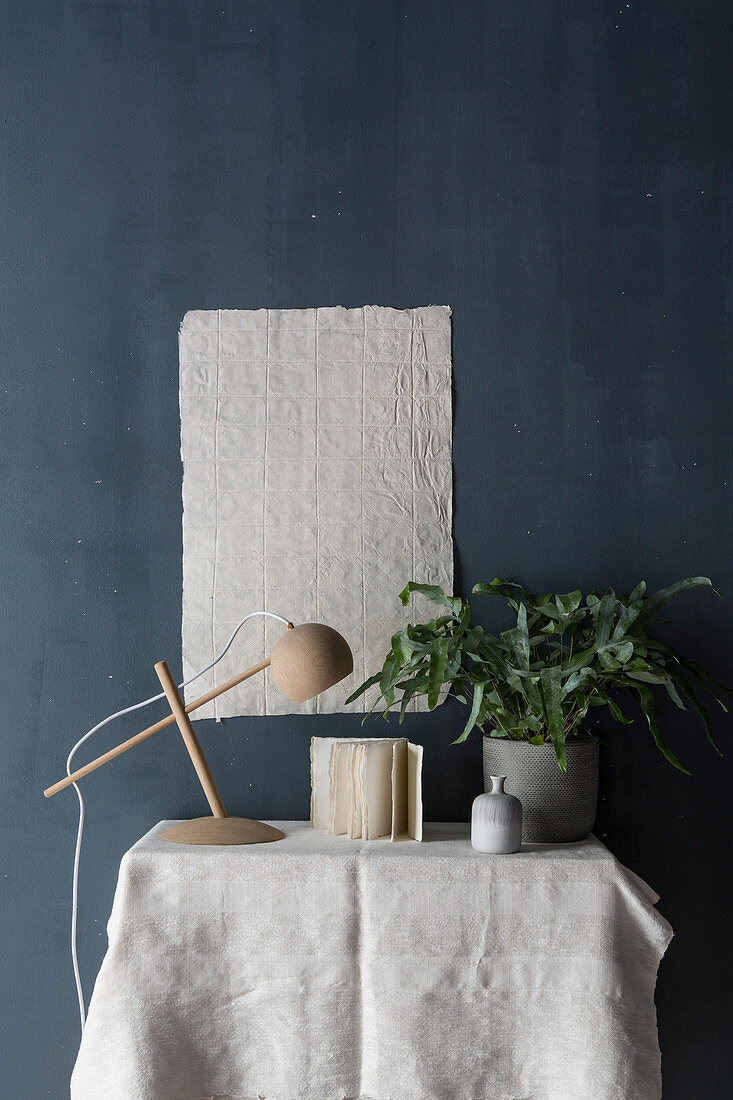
(316,448)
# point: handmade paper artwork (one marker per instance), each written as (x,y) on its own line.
(316,447)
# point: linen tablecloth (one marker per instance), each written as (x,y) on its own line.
(319,968)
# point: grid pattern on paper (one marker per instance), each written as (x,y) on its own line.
(316,448)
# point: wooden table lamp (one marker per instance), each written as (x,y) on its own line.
(306,660)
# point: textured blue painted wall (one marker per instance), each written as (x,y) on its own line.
(555,172)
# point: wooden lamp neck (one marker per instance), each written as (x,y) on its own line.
(144,734)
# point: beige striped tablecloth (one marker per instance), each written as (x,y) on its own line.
(319,968)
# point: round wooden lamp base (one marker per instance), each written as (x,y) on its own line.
(221,830)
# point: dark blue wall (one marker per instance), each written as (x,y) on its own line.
(556,172)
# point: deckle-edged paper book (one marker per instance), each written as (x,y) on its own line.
(366,788)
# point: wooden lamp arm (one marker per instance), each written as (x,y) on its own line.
(144,734)
(191,741)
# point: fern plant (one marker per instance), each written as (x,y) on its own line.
(537,681)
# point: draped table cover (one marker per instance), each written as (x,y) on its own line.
(319,968)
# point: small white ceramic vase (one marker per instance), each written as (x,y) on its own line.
(496,820)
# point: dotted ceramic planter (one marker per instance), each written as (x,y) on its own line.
(556,808)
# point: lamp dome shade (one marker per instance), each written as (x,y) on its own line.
(308,659)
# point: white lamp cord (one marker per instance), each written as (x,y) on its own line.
(80,830)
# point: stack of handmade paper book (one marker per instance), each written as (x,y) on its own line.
(366,789)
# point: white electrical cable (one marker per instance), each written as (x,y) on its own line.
(80,830)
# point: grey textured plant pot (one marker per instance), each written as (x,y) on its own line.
(556,807)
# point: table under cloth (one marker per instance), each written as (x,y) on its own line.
(321,968)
